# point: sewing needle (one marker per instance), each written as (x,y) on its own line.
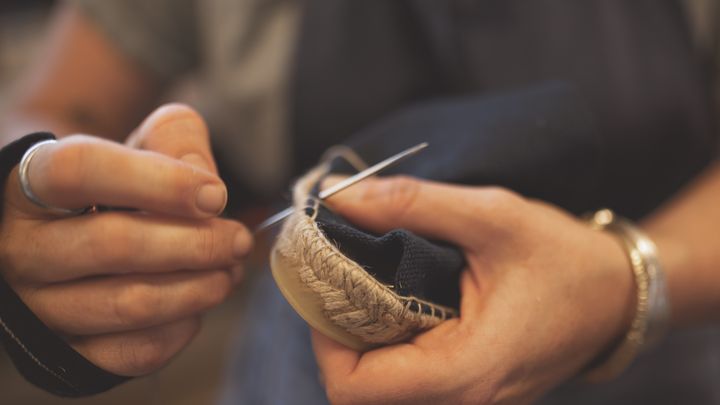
(342,185)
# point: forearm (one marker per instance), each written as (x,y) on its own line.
(42,109)
(687,232)
(15,124)
(81,83)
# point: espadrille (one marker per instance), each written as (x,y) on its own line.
(344,282)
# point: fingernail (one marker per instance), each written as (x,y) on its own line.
(196,160)
(211,198)
(241,244)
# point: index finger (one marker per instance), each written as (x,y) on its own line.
(178,131)
(80,171)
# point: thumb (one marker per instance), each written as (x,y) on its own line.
(178,131)
(333,357)
(432,209)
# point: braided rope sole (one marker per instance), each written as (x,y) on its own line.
(350,297)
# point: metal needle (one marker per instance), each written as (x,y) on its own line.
(342,185)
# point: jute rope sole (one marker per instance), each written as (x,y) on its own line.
(334,294)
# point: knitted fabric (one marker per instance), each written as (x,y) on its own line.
(352,297)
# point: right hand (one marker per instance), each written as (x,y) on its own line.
(542,296)
(126,289)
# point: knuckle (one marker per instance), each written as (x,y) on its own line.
(206,249)
(499,199)
(136,305)
(184,183)
(497,209)
(402,193)
(113,243)
(25,259)
(175,114)
(218,290)
(143,356)
(65,167)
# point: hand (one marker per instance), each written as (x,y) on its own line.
(543,295)
(125,288)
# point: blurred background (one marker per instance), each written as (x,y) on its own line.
(21,27)
(194,377)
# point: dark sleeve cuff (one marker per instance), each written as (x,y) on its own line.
(41,356)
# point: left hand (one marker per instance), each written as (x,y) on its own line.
(543,295)
(126,289)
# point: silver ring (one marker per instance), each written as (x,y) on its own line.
(25,182)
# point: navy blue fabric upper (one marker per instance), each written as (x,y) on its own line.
(631,64)
(526,139)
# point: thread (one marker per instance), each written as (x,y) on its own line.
(351,298)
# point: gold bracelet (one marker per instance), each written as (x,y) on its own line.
(652,311)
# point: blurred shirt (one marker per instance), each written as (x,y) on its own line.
(241,55)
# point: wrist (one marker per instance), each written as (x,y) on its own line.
(688,302)
(652,310)
(615,304)
(625,304)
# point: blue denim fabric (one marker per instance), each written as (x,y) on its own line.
(272,362)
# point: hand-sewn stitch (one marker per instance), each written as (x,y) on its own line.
(351,298)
